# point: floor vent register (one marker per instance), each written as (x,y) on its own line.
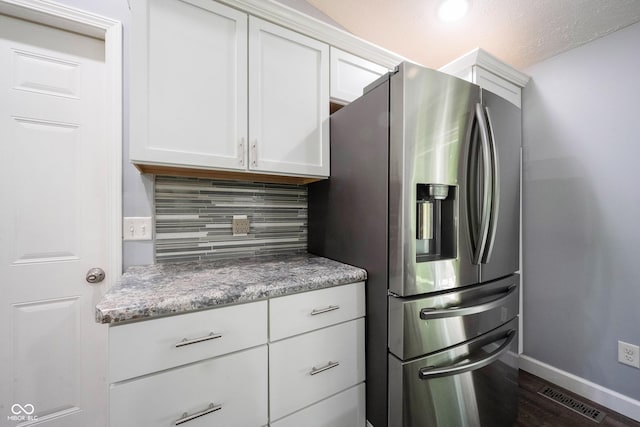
(573,404)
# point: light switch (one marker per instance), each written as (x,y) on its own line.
(137,228)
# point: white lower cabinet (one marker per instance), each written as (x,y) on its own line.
(227,391)
(219,368)
(316,358)
(345,409)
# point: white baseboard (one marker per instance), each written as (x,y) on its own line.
(611,399)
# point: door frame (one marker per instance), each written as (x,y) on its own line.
(110,31)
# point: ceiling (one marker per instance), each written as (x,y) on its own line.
(519,32)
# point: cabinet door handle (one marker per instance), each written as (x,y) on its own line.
(241,149)
(186,417)
(326,367)
(254,153)
(317,311)
(186,341)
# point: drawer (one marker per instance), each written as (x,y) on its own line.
(420,325)
(295,314)
(141,348)
(341,410)
(228,391)
(471,384)
(310,367)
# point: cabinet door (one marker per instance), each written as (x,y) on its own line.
(288,101)
(498,85)
(188,84)
(350,74)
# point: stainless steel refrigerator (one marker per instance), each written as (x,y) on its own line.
(424,194)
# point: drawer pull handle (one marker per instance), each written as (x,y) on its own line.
(431,313)
(186,341)
(316,311)
(328,366)
(186,417)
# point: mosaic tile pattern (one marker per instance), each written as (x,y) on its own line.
(193,219)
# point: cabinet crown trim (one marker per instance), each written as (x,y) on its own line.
(484,59)
(295,20)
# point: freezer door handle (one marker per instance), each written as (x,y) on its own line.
(487,185)
(495,180)
(428,313)
(471,363)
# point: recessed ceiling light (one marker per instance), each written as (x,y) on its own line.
(452,10)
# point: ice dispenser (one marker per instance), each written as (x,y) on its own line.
(435,222)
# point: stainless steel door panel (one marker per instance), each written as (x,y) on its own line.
(473,384)
(430,128)
(419,326)
(505,124)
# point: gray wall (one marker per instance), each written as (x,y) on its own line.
(581,209)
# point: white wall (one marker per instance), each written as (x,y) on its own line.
(581,210)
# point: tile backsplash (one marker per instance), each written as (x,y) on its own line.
(193,219)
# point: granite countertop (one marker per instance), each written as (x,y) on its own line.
(162,289)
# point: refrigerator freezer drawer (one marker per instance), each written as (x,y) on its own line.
(473,384)
(419,326)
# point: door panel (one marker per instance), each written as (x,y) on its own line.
(53,225)
(473,384)
(42,74)
(431,117)
(507,130)
(419,326)
(38,327)
(49,149)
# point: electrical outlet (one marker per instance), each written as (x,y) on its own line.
(240,225)
(629,354)
(137,228)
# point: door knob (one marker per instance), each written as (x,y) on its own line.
(95,275)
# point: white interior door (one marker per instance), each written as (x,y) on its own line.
(53,225)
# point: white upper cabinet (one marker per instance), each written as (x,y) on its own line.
(197,104)
(488,72)
(188,84)
(350,74)
(217,91)
(288,101)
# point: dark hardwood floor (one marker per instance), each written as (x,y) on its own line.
(535,410)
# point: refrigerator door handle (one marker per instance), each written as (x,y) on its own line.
(471,364)
(472,191)
(487,185)
(495,199)
(426,313)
